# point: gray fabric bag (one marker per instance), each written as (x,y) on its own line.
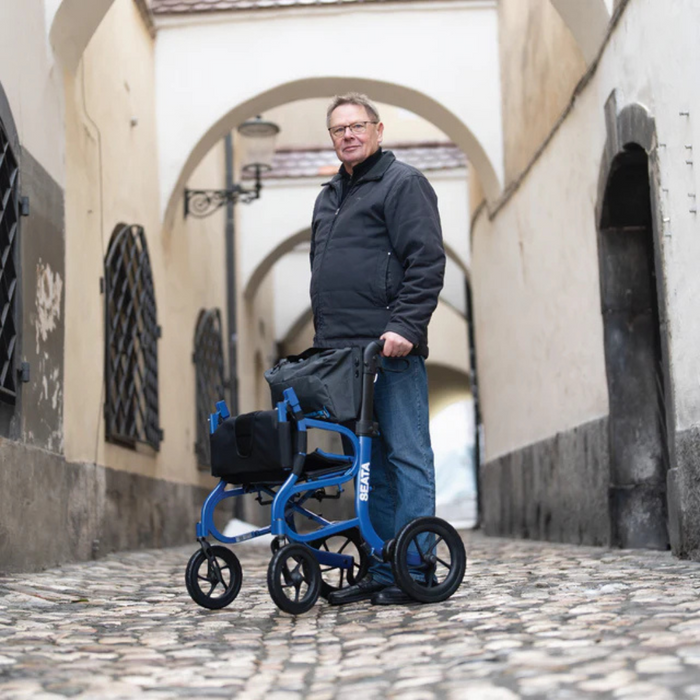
(327,382)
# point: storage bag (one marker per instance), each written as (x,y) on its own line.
(251,447)
(328,383)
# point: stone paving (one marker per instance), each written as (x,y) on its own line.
(532,620)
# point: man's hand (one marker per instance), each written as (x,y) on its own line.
(396,345)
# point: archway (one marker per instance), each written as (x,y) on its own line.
(631,289)
(421,104)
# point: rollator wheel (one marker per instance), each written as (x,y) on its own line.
(429,560)
(294,579)
(345,542)
(215,584)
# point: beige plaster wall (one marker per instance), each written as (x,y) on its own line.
(32,83)
(539,330)
(112,179)
(540,66)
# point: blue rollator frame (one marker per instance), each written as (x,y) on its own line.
(414,564)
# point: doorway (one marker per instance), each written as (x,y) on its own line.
(637,395)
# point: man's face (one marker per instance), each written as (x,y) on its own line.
(351,148)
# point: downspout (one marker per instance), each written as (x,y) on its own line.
(231,321)
(478,427)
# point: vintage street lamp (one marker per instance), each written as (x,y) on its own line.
(257,148)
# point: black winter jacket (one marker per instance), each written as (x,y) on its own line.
(377,259)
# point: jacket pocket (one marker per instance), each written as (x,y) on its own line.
(381,278)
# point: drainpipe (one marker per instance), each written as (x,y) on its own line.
(230,233)
(478,427)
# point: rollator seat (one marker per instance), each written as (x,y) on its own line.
(315,465)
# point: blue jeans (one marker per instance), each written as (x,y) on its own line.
(402,474)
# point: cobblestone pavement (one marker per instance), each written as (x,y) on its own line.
(531,620)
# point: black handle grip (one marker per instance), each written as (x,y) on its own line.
(371,353)
(371,358)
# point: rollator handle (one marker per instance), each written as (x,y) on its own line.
(371,355)
(366,425)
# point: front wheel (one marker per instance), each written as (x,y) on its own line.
(294,579)
(213,582)
(429,560)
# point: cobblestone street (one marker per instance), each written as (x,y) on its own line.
(531,620)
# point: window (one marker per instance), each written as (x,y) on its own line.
(208,358)
(9,227)
(131,342)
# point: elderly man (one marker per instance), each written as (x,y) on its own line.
(377,267)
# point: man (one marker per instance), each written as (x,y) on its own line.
(377,267)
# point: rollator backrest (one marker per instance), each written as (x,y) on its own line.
(251,447)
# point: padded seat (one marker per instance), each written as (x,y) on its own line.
(315,465)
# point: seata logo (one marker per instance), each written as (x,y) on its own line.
(364,481)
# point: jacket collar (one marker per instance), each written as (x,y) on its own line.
(376,172)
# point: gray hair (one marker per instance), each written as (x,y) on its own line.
(353,98)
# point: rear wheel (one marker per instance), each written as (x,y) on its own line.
(348,542)
(429,560)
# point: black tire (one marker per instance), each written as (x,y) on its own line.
(345,542)
(443,560)
(294,579)
(213,585)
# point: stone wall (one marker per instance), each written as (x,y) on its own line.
(555,489)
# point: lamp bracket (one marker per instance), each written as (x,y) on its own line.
(202,203)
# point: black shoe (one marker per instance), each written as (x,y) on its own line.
(392,595)
(362,590)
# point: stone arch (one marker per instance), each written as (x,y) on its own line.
(73,25)
(306,88)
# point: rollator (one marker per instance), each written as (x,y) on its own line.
(265,453)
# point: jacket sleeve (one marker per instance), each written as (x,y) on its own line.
(413,224)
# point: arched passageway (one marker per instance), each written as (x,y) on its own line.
(396,95)
(633,356)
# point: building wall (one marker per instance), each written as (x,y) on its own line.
(536,289)
(113,181)
(33,87)
(94,130)
(540,66)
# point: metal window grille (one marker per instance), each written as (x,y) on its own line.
(131,337)
(208,358)
(9,226)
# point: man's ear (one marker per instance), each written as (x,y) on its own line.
(380,132)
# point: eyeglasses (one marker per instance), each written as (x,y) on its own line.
(337,132)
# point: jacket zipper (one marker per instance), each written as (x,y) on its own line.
(335,218)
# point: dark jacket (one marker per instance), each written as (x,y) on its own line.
(377,260)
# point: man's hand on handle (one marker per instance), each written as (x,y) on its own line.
(396,345)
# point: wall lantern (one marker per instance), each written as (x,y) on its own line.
(257,148)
